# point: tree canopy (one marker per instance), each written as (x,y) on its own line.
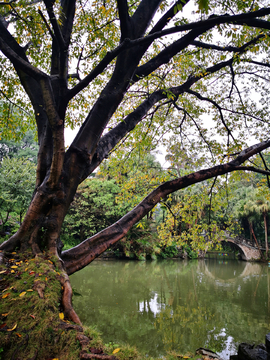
(191,75)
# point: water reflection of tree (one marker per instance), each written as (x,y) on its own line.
(196,306)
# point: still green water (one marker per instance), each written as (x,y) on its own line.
(174,304)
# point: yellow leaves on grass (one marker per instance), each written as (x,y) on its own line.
(5,295)
(61,316)
(22,294)
(14,327)
(116,350)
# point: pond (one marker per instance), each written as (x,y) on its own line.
(175,305)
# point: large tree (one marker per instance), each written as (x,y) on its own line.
(129,67)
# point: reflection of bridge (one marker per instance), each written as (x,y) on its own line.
(247,251)
(250,269)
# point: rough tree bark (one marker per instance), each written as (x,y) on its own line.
(60,171)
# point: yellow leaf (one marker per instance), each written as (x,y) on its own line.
(12,271)
(22,294)
(6,295)
(61,316)
(14,267)
(2,272)
(13,252)
(29,290)
(14,327)
(116,350)
(6,314)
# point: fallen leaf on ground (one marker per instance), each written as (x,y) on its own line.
(33,316)
(3,325)
(14,267)
(2,272)
(19,335)
(116,350)
(29,290)
(61,316)
(14,327)
(6,295)
(5,315)
(22,294)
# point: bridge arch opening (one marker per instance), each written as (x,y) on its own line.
(235,248)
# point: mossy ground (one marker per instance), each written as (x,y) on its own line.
(32,323)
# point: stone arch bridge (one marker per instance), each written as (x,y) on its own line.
(246,250)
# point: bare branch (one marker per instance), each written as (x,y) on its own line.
(199,96)
(240,49)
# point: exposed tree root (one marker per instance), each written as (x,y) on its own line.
(97,356)
(67,300)
(1,257)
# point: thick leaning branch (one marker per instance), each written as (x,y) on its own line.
(82,254)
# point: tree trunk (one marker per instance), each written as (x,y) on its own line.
(266,233)
(258,246)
